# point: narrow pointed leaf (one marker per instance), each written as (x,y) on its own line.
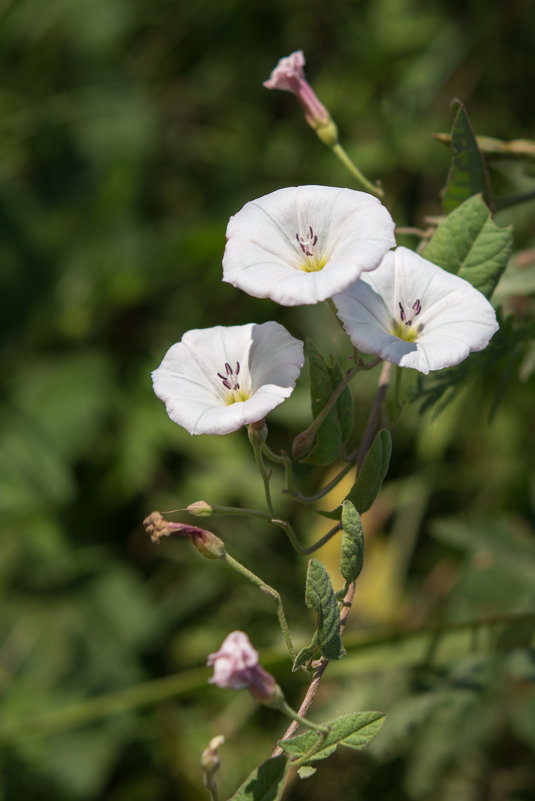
(372,473)
(469,244)
(468,173)
(353,731)
(337,426)
(265,783)
(319,595)
(352,543)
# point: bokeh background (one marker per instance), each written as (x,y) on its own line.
(129,132)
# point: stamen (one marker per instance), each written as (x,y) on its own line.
(307,243)
(230,379)
(416,308)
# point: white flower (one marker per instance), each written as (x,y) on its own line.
(216,380)
(303,244)
(413,313)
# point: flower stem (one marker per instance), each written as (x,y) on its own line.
(262,585)
(266,474)
(339,151)
(285,460)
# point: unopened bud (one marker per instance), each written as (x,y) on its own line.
(200,509)
(210,760)
(302,444)
(257,432)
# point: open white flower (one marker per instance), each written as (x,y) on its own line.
(216,380)
(413,313)
(303,244)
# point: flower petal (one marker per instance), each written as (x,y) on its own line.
(455,319)
(264,258)
(187,380)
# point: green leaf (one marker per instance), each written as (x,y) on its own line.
(352,543)
(337,426)
(265,783)
(372,473)
(354,731)
(319,595)
(306,771)
(305,654)
(468,173)
(469,244)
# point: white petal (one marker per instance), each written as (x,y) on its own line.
(187,380)
(456,318)
(263,257)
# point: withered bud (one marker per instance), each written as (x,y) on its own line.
(206,543)
(156,526)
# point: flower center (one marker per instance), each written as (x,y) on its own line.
(313,260)
(404,328)
(235,392)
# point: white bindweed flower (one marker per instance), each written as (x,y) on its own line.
(216,380)
(415,314)
(303,244)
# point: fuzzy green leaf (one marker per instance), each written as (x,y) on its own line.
(337,426)
(354,731)
(469,244)
(319,595)
(352,543)
(468,173)
(265,783)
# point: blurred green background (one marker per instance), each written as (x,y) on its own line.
(129,132)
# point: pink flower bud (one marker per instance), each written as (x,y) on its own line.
(236,667)
(289,76)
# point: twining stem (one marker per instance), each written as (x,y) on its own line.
(373,418)
(339,151)
(321,666)
(290,533)
(262,585)
(266,474)
(283,459)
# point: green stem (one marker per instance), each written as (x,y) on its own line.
(238,511)
(339,151)
(266,474)
(262,585)
(285,460)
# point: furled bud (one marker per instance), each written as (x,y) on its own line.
(289,76)
(236,667)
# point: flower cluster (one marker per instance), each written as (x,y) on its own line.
(300,245)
